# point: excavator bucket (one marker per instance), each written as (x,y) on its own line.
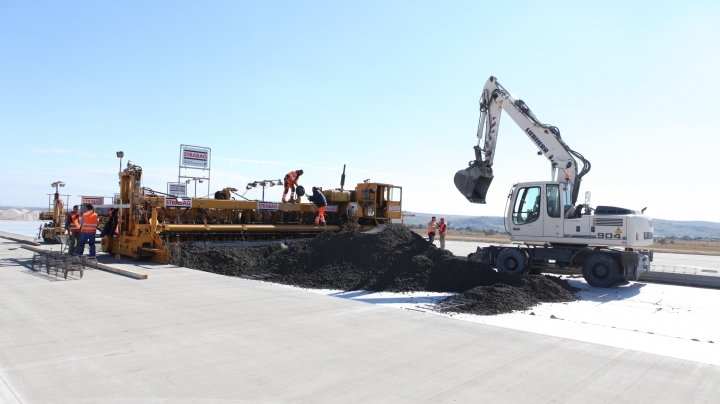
(473,182)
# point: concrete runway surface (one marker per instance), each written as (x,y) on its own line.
(185,336)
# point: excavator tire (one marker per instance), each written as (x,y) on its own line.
(511,261)
(601,270)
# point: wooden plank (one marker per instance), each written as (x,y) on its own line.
(18,239)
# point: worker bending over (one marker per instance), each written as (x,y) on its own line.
(442,228)
(290,182)
(88,228)
(318,199)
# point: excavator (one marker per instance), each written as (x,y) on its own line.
(548,229)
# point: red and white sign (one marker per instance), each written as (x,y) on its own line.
(93,200)
(177,188)
(331,208)
(268,206)
(194,156)
(181,203)
(395,208)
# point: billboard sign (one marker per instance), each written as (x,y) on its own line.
(194,157)
(93,200)
(177,188)
(178,202)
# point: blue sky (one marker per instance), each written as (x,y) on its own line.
(389,88)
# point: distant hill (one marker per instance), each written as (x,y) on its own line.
(662,228)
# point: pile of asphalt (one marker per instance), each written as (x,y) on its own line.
(394,260)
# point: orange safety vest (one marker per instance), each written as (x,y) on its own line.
(443,228)
(431,228)
(90,222)
(74,223)
(291,178)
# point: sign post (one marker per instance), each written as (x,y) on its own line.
(193,158)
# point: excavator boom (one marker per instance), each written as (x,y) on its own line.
(474,181)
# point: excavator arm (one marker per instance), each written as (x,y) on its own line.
(474,181)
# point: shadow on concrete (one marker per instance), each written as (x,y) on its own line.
(405,300)
(604,295)
(41,271)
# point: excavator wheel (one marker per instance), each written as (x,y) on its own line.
(511,261)
(601,271)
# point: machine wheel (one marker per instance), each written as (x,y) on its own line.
(511,261)
(600,270)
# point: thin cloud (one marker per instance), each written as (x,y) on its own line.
(235,161)
(60,151)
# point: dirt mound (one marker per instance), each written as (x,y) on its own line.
(394,260)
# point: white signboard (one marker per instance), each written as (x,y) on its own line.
(195,157)
(395,209)
(93,200)
(268,205)
(181,203)
(177,188)
(331,208)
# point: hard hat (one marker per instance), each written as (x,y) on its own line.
(299,172)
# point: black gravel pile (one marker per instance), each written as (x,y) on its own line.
(395,260)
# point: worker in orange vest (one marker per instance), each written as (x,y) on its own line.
(88,228)
(290,182)
(431,227)
(443,228)
(72,226)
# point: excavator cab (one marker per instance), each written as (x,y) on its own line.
(474,181)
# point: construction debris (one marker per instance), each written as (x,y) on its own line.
(394,260)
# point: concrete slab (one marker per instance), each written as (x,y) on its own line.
(188,336)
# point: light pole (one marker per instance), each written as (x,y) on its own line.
(263,184)
(120,155)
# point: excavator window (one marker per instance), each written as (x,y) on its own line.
(527,205)
(553,200)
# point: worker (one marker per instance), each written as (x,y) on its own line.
(72,226)
(290,182)
(443,228)
(88,228)
(319,199)
(431,227)
(112,226)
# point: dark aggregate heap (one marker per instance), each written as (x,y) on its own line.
(394,260)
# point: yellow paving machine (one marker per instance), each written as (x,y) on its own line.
(146,223)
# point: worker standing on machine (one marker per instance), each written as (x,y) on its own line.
(72,226)
(319,199)
(431,227)
(290,182)
(443,228)
(88,228)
